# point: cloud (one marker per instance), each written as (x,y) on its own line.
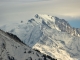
(58,7)
(16,10)
(17,0)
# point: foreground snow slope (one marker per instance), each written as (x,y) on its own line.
(11,48)
(50,35)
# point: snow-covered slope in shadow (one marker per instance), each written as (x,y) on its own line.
(50,35)
(11,48)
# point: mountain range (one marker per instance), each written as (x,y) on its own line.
(48,34)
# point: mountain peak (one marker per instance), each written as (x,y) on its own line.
(45,17)
(47,21)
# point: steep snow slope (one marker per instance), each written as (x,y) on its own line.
(49,34)
(11,48)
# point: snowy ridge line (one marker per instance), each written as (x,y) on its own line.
(15,38)
(12,50)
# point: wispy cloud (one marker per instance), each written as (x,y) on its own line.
(16,10)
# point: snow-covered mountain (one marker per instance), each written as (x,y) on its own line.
(48,34)
(12,48)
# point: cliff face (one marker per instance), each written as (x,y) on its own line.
(64,26)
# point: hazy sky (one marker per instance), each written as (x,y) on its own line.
(17,10)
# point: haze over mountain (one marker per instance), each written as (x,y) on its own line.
(48,34)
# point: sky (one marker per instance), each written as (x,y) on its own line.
(17,10)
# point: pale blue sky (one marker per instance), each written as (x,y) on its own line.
(17,10)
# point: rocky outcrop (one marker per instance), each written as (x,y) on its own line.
(64,26)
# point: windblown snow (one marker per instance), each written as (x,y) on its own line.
(50,35)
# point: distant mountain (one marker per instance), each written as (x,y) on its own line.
(49,35)
(12,48)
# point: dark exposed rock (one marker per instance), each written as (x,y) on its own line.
(3,45)
(15,37)
(45,56)
(11,58)
(29,51)
(37,50)
(21,21)
(31,20)
(24,51)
